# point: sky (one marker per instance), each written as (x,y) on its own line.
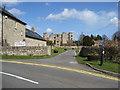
(77,17)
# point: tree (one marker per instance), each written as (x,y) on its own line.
(92,36)
(88,41)
(104,37)
(98,38)
(49,43)
(81,37)
(116,36)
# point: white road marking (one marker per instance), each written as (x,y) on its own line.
(20,77)
(73,62)
(75,52)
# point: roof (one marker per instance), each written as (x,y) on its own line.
(96,42)
(112,43)
(11,15)
(33,35)
(47,39)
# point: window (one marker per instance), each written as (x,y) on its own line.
(23,39)
(15,25)
(21,33)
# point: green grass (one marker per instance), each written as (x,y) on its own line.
(109,66)
(60,50)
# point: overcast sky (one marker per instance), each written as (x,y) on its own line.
(57,17)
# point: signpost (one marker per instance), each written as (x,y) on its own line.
(102,57)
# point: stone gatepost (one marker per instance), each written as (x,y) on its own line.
(49,50)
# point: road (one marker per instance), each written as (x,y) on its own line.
(44,75)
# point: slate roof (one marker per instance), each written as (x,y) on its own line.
(33,35)
(10,15)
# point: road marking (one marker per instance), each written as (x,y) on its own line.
(65,68)
(19,77)
(73,62)
(75,52)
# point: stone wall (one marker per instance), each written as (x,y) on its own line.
(29,50)
(34,42)
(13,31)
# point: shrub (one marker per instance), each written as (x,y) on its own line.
(112,54)
(30,54)
(84,52)
(65,49)
(55,51)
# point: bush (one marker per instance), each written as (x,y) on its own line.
(86,51)
(49,43)
(65,49)
(93,58)
(55,51)
(112,54)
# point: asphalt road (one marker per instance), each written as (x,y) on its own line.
(47,77)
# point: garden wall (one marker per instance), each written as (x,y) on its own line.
(29,50)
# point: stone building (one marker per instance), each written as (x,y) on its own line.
(13,29)
(70,37)
(14,33)
(52,37)
(57,40)
(34,39)
(63,39)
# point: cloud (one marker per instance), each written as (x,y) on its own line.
(87,16)
(114,21)
(16,11)
(49,30)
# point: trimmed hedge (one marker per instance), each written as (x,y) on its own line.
(112,54)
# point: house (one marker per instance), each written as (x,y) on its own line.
(14,33)
(112,43)
(34,39)
(96,43)
(13,29)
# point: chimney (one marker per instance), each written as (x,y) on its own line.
(45,35)
(32,29)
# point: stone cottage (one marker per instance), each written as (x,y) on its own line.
(13,29)
(13,32)
(34,39)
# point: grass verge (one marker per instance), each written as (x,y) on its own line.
(60,50)
(109,66)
